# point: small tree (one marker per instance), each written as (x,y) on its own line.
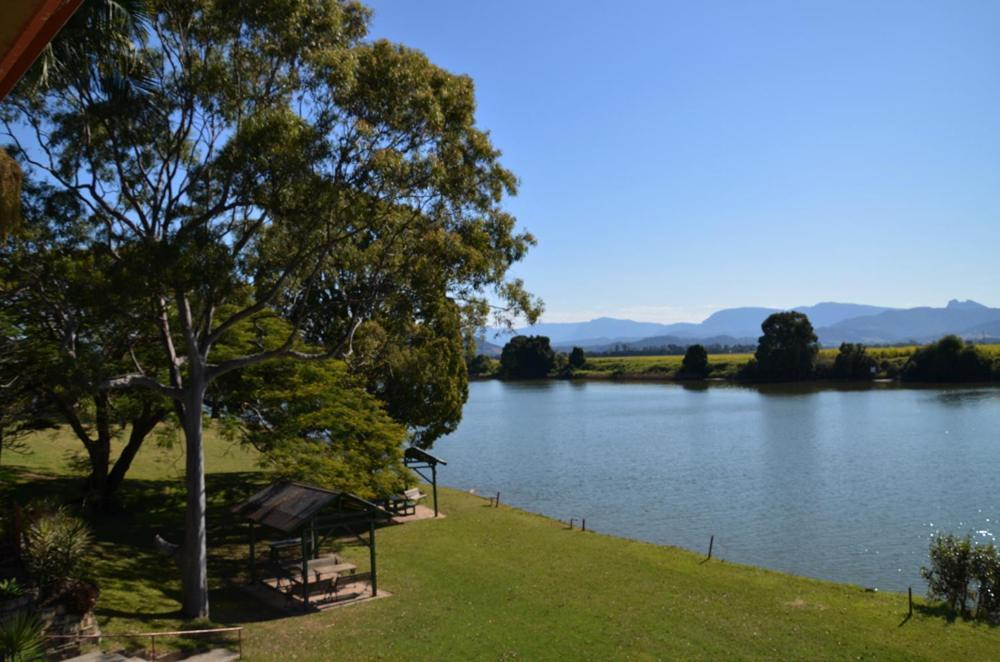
(853,362)
(965,576)
(788,348)
(695,363)
(482,365)
(527,357)
(577,358)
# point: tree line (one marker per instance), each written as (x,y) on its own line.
(787,350)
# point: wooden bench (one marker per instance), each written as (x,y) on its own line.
(405,503)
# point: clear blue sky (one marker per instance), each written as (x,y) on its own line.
(679,157)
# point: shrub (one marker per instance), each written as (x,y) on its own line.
(56,546)
(527,357)
(947,360)
(482,366)
(9,589)
(965,576)
(80,597)
(21,637)
(577,358)
(853,362)
(695,363)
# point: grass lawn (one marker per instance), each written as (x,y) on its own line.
(486,583)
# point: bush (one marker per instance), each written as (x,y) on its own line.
(483,366)
(965,576)
(9,589)
(79,597)
(948,360)
(56,546)
(695,363)
(527,357)
(21,637)
(577,358)
(853,362)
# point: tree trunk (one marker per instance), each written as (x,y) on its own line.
(141,427)
(194,565)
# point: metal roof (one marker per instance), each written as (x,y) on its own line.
(421,455)
(286,506)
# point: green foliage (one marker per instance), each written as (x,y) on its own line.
(965,576)
(483,366)
(21,638)
(577,358)
(261,160)
(853,362)
(56,547)
(10,194)
(947,360)
(9,588)
(695,363)
(527,357)
(787,350)
(420,373)
(314,422)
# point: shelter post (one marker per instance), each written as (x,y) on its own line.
(253,556)
(305,571)
(434,486)
(371,554)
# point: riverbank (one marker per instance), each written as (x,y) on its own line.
(725,367)
(486,583)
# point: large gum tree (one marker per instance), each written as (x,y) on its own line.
(256,159)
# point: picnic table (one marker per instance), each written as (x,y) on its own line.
(323,567)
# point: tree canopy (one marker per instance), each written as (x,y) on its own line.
(527,357)
(695,362)
(950,359)
(259,160)
(853,362)
(787,350)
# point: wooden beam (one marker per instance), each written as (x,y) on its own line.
(40,28)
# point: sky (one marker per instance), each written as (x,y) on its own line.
(680,157)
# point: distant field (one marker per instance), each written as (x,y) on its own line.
(726,365)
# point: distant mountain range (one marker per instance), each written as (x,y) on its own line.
(834,323)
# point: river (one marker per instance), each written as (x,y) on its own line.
(847,484)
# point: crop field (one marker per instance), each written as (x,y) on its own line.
(889,359)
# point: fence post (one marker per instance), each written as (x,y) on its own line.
(583,522)
(498,499)
(152,642)
(711,543)
(910,592)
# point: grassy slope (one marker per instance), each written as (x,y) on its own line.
(491,583)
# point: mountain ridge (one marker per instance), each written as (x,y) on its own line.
(835,322)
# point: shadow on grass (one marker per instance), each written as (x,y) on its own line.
(943,611)
(137,583)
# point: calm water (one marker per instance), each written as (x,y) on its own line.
(847,485)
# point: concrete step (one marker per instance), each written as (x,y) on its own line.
(214,655)
(102,656)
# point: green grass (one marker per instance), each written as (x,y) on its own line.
(488,583)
